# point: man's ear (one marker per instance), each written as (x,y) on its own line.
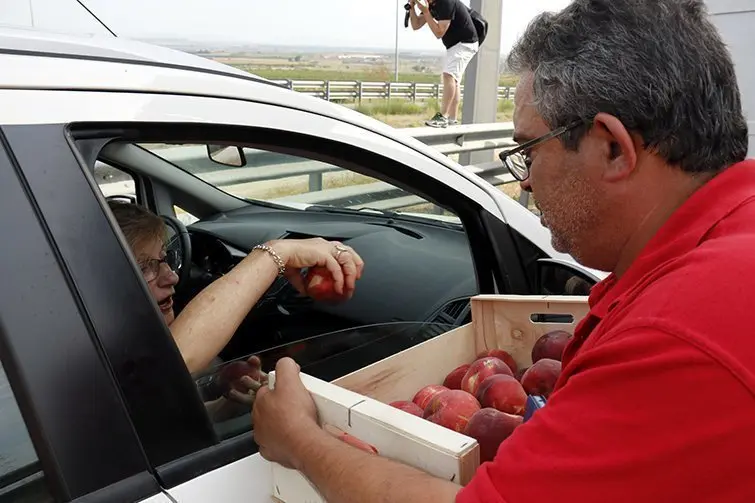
(621,152)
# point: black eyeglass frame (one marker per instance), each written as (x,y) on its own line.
(506,155)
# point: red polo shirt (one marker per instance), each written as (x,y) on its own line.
(656,402)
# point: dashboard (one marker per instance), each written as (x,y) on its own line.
(415,271)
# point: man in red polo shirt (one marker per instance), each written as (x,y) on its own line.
(633,142)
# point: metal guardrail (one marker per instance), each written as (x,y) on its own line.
(267,166)
(353,90)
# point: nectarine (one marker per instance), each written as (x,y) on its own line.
(501,355)
(481,369)
(490,427)
(407,406)
(424,395)
(551,345)
(504,393)
(453,379)
(541,377)
(452,409)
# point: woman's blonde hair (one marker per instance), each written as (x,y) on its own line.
(139,225)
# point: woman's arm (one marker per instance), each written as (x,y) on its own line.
(209,321)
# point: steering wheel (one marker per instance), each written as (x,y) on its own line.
(180,245)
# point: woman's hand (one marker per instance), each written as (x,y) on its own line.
(342,262)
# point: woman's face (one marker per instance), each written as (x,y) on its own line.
(160,278)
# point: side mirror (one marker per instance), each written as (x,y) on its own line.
(227,155)
(557,277)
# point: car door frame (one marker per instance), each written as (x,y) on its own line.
(49,328)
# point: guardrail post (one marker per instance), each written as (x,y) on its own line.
(315,182)
(327,90)
(388,88)
(508,93)
(290,84)
(436,91)
(414,92)
(360,89)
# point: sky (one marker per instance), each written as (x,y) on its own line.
(337,23)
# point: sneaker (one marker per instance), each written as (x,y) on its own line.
(453,122)
(437,121)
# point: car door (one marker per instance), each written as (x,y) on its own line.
(65,431)
(183,448)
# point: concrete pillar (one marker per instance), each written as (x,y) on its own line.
(481,77)
(734,20)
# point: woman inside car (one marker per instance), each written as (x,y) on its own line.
(211,318)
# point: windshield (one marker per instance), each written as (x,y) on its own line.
(289,180)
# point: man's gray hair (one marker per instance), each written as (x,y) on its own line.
(660,66)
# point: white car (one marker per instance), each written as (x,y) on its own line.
(97,403)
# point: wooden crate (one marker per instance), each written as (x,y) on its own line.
(358,402)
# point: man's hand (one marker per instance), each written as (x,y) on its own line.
(285,417)
(423,8)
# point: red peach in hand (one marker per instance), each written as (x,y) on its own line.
(502,392)
(424,395)
(407,406)
(490,427)
(452,409)
(453,379)
(541,377)
(480,369)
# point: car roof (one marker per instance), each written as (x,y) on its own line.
(32,59)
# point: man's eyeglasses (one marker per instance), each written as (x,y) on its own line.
(151,267)
(517,160)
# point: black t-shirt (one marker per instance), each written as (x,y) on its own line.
(461,28)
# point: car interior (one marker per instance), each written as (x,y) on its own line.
(423,260)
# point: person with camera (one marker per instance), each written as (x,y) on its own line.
(450,21)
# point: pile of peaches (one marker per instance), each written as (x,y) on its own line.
(485,399)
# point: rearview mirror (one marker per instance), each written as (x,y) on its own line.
(227,155)
(557,277)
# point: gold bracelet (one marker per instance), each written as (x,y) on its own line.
(278,260)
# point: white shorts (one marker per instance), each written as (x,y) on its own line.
(458,57)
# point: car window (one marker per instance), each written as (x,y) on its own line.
(114,182)
(21,478)
(291,180)
(327,356)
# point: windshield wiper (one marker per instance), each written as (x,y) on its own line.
(354,211)
(390,214)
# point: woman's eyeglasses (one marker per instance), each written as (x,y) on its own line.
(151,268)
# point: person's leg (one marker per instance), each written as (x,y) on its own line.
(450,79)
(453,106)
(466,53)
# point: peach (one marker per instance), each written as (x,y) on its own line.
(541,377)
(407,406)
(424,395)
(490,427)
(452,409)
(453,379)
(551,345)
(481,369)
(501,355)
(502,392)
(520,373)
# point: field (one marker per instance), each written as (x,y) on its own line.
(398,113)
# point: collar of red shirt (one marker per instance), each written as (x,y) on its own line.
(682,232)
